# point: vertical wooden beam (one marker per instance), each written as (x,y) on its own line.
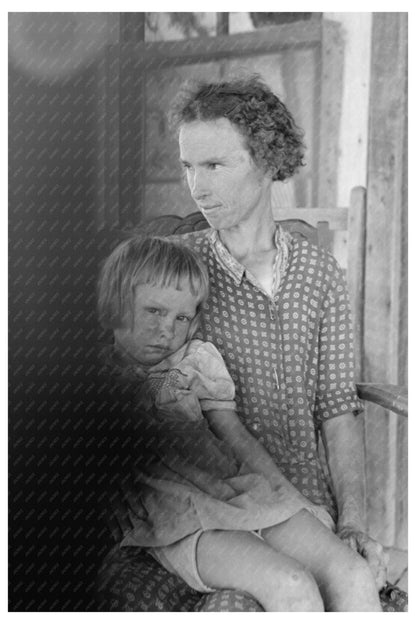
(401,537)
(132,138)
(111,142)
(383,258)
(356,270)
(132,27)
(107,135)
(223,23)
(132,117)
(332,64)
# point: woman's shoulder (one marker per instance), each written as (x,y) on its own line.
(306,253)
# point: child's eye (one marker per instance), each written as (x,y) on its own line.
(153,310)
(213,166)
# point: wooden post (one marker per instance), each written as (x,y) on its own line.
(384,251)
(356,270)
(332,62)
(132,26)
(223,25)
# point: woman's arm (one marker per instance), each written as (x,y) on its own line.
(344,446)
(344,449)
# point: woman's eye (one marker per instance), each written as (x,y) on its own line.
(213,166)
(153,310)
(183,318)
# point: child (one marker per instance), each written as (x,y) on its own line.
(213,507)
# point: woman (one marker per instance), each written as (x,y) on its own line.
(278,309)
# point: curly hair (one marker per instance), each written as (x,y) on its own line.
(272,137)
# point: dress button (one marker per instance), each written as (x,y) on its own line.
(256,426)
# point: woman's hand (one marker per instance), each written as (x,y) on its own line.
(368,548)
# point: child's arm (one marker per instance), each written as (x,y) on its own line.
(227,426)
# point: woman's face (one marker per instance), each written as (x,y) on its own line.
(162,317)
(227,186)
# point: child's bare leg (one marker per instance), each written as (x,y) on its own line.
(240,560)
(343,576)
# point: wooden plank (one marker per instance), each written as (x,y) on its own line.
(332,62)
(131,123)
(337,218)
(387,107)
(223,23)
(132,27)
(399,335)
(107,146)
(100,169)
(393,398)
(401,537)
(300,72)
(298,34)
(112,137)
(356,270)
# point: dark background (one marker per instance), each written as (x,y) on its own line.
(56,536)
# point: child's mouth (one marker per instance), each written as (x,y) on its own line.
(160,348)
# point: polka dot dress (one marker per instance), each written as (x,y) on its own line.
(290,356)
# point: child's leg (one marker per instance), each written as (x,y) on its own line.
(240,560)
(343,576)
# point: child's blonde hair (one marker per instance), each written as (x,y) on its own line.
(154,261)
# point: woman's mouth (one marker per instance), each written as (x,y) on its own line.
(209,208)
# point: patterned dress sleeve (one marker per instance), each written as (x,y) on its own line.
(336,392)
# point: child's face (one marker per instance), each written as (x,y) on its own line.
(161,322)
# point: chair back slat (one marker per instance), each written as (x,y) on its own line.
(356,269)
(336,218)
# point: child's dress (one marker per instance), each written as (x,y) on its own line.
(188,478)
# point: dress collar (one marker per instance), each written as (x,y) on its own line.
(283,243)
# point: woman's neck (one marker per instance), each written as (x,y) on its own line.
(250,238)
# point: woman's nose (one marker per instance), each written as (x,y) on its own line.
(198,185)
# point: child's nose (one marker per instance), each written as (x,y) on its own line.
(167,328)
